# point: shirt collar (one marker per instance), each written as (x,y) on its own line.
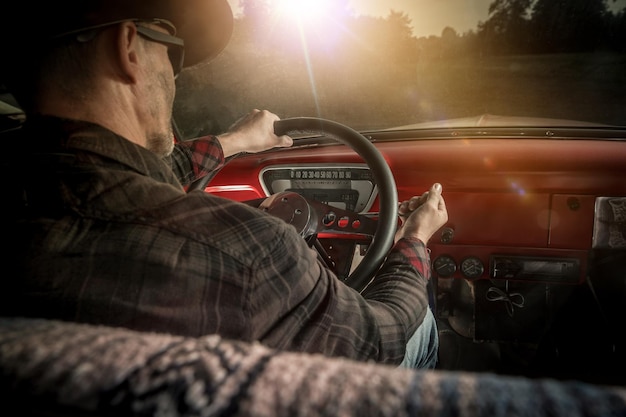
(46,134)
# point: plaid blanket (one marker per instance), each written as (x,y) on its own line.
(52,368)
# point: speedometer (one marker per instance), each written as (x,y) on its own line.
(348,187)
(472,267)
(444,265)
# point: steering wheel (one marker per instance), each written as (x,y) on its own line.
(312,217)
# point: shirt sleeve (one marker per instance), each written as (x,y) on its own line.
(194,159)
(320,314)
(415,251)
(398,297)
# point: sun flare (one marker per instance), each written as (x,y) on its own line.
(304,11)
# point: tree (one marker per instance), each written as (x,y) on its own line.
(507,26)
(399,40)
(569,25)
(449,42)
(617,31)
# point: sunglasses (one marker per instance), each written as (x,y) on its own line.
(175,46)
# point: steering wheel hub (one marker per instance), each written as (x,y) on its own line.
(293,209)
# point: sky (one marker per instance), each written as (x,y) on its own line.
(430,17)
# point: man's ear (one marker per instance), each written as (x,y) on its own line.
(127,55)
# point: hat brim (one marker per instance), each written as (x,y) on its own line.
(206,26)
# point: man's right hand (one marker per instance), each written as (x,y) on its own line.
(254,132)
(422,215)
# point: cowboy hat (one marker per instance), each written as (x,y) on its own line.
(204,25)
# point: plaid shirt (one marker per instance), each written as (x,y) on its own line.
(111,237)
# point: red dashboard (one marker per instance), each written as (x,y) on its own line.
(519,197)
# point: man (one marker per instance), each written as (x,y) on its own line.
(107,234)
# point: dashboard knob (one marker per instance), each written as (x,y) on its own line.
(447,235)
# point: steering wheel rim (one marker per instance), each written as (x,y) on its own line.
(383,238)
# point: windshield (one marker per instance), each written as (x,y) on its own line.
(374,64)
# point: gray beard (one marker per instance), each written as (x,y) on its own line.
(161,144)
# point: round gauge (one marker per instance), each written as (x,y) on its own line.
(472,267)
(444,265)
